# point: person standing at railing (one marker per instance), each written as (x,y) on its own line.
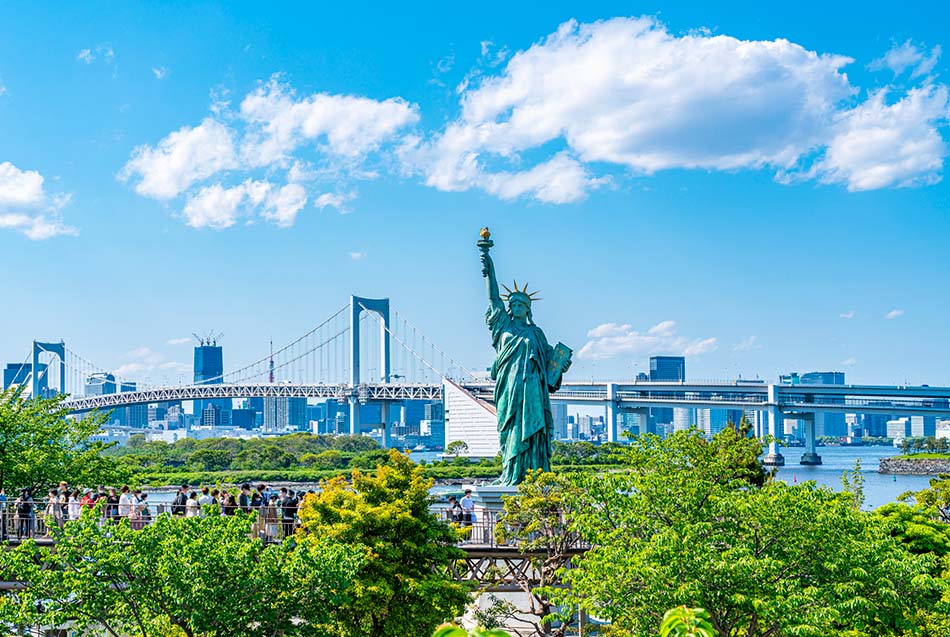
(53,515)
(204,501)
(468,508)
(145,513)
(191,506)
(178,504)
(271,519)
(88,500)
(112,505)
(126,502)
(23,507)
(74,506)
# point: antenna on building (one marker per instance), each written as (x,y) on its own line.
(272,360)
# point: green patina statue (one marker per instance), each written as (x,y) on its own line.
(526,371)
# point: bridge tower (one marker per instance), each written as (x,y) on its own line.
(59,351)
(358,305)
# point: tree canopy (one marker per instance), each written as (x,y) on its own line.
(40,446)
(403,586)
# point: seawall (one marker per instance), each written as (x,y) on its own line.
(914,466)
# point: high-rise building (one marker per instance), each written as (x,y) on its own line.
(133,415)
(100,384)
(559,412)
(712,421)
(19,374)
(211,415)
(209,370)
(244,418)
(297,414)
(665,369)
(276,415)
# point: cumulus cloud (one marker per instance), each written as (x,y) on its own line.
(627,94)
(184,157)
(357,256)
(26,207)
(848,362)
(160,72)
(908,56)
(230,166)
(182,340)
(218,207)
(847,315)
(893,314)
(346,126)
(615,339)
(877,144)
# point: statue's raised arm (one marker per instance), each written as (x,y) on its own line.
(488,269)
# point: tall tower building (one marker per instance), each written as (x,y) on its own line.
(665,369)
(209,370)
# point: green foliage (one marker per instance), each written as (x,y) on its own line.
(456,448)
(403,586)
(687,525)
(199,577)
(917,527)
(852,483)
(537,520)
(39,445)
(686,622)
(937,497)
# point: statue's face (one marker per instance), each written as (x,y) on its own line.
(518,308)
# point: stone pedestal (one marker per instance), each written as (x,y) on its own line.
(774,460)
(810,459)
(488,507)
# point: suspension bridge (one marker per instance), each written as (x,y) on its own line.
(366,352)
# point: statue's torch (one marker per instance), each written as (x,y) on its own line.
(484,245)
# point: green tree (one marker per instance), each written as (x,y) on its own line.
(536,520)
(40,445)
(456,448)
(404,586)
(329,459)
(685,525)
(197,577)
(209,460)
(905,445)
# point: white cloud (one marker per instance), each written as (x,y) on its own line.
(144,360)
(102,51)
(348,127)
(748,344)
(893,314)
(613,339)
(848,362)
(847,315)
(160,72)
(184,157)
(218,207)
(357,256)
(626,91)
(282,205)
(27,208)
(264,138)
(182,340)
(908,56)
(878,145)
(3,89)
(627,94)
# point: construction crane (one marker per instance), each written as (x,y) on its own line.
(209,339)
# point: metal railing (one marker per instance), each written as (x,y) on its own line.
(478,532)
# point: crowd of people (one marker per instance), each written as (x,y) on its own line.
(276,510)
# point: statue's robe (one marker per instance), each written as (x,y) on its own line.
(522,395)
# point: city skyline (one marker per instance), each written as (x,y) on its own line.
(249,175)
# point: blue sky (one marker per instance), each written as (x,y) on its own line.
(759,187)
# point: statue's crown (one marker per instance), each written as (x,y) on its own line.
(522,292)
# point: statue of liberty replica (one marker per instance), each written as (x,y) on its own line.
(526,371)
